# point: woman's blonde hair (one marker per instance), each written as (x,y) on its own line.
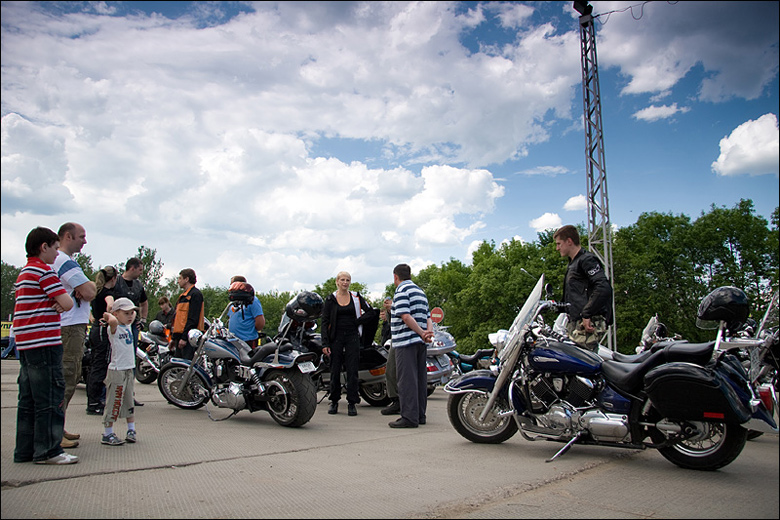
(343,272)
(106,274)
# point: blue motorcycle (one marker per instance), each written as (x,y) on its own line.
(691,402)
(227,372)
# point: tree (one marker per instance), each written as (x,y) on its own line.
(8,276)
(736,247)
(654,274)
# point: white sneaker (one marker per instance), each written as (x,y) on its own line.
(62,458)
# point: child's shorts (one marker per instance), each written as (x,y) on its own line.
(119,395)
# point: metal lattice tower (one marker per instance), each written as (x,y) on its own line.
(599,228)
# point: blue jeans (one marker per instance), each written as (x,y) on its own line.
(10,348)
(40,416)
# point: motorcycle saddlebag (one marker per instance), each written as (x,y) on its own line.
(689,392)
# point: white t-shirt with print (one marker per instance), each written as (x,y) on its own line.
(122,348)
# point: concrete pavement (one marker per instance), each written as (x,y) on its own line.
(188,466)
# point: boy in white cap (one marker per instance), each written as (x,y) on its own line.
(119,379)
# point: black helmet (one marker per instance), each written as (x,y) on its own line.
(305,307)
(157,328)
(729,304)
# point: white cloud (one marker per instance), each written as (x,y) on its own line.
(654,113)
(550,171)
(545,222)
(753,148)
(657,44)
(576,203)
(208,141)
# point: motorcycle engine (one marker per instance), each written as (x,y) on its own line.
(545,390)
(229,396)
(562,405)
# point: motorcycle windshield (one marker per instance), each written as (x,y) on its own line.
(524,317)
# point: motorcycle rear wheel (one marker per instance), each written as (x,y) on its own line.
(144,373)
(375,394)
(296,407)
(192,397)
(717,445)
(464,411)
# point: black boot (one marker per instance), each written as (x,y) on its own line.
(351,410)
(334,407)
(394,408)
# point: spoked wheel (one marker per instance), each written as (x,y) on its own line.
(464,411)
(375,394)
(190,397)
(292,397)
(714,446)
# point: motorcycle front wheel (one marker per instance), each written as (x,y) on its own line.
(295,405)
(191,397)
(464,411)
(144,372)
(375,394)
(715,446)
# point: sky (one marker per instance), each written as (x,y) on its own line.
(290,141)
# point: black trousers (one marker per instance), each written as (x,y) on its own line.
(345,353)
(101,355)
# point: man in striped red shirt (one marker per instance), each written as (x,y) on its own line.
(40,299)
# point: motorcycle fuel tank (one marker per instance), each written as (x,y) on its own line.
(218,348)
(563,358)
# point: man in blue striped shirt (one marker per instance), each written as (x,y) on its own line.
(411,329)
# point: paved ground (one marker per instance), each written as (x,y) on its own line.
(187,466)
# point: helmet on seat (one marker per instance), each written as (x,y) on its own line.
(728,303)
(157,328)
(305,306)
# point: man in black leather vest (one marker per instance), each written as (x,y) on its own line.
(586,288)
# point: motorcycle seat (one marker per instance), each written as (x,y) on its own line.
(471,359)
(261,352)
(628,377)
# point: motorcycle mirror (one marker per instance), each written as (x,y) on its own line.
(548,289)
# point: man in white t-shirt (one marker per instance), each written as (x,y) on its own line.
(74,322)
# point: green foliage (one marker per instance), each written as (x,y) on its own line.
(8,276)
(274,304)
(85,262)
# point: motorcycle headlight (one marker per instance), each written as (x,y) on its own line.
(193,336)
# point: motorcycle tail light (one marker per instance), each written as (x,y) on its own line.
(377,371)
(765,393)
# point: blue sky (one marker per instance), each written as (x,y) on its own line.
(289,141)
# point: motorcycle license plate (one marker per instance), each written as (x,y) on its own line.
(306,367)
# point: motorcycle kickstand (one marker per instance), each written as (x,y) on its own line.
(566,448)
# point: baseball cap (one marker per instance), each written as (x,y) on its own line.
(123,304)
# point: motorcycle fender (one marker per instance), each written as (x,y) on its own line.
(185,363)
(686,391)
(480,380)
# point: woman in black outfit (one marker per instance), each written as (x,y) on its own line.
(343,315)
(96,389)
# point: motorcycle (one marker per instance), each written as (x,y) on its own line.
(689,401)
(756,346)
(438,363)
(228,373)
(371,368)
(153,352)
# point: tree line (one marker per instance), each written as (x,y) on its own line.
(664,264)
